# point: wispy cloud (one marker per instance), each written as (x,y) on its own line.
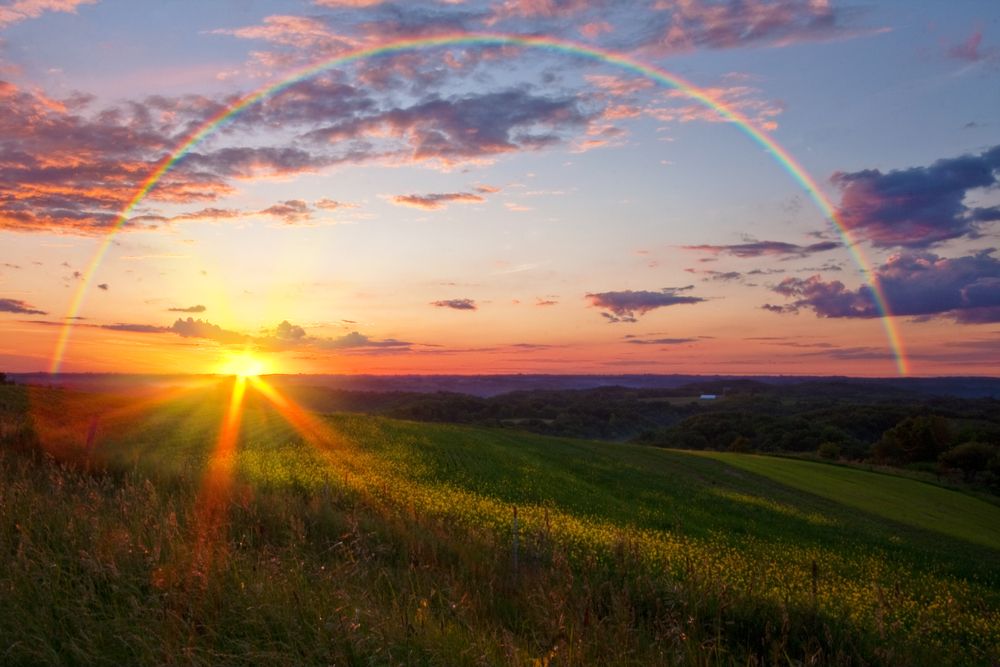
(765,248)
(436,201)
(18,306)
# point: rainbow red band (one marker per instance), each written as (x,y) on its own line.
(621,61)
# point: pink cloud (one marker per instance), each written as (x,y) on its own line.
(22,10)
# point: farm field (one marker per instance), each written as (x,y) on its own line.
(223,524)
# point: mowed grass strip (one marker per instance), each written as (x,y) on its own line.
(899,499)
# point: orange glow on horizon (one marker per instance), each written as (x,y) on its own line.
(243,364)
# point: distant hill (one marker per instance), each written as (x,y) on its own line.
(492,385)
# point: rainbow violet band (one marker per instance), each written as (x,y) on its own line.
(560,46)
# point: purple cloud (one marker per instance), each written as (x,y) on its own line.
(625,305)
(920,206)
(921,284)
(456,304)
(20,307)
(461,128)
(765,248)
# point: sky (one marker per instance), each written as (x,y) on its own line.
(800,187)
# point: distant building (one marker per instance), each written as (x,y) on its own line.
(708,397)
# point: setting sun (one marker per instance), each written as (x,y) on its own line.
(243,364)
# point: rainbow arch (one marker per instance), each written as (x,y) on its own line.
(550,44)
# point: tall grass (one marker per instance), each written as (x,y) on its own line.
(317,564)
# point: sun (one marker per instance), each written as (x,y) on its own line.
(242,364)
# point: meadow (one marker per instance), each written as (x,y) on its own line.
(223,524)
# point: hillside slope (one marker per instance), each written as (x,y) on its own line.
(684,558)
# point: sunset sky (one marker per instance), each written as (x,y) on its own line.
(476,208)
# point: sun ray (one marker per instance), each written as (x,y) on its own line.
(70,428)
(211,505)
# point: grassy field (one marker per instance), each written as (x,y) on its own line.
(895,498)
(195,528)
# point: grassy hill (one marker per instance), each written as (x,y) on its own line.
(214,530)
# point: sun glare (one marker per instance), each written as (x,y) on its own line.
(243,364)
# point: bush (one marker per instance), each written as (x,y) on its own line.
(829,450)
(915,439)
(971,458)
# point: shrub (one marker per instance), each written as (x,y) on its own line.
(971,458)
(829,450)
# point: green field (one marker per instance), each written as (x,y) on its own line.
(346,539)
(895,498)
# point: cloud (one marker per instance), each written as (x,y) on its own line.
(18,306)
(192,328)
(286,336)
(970,49)
(688,25)
(355,340)
(456,304)
(290,212)
(252,162)
(661,341)
(348,3)
(920,284)
(433,202)
(332,205)
(135,328)
(22,10)
(717,276)
(625,305)
(676,26)
(67,168)
(545,302)
(920,206)
(189,309)
(297,31)
(454,129)
(765,248)
(289,331)
(103,286)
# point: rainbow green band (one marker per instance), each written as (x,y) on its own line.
(207,128)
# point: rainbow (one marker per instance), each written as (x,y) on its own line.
(560,46)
